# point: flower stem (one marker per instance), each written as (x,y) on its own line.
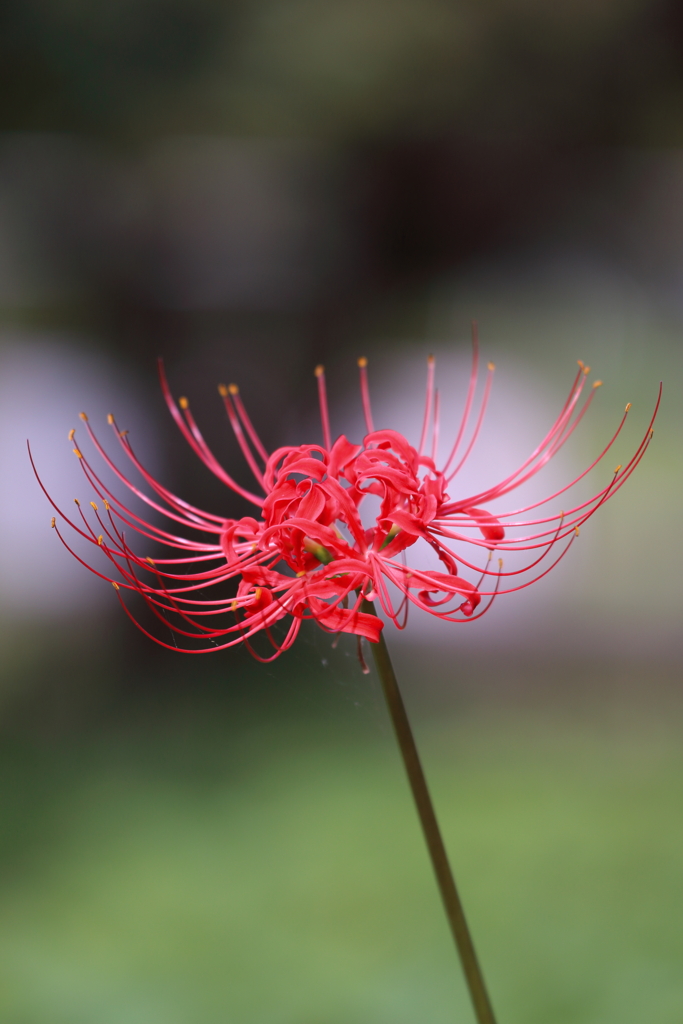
(430,827)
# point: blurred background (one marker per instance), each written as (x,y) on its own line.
(249,189)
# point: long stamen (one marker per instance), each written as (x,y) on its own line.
(559,434)
(186,519)
(428,404)
(474,373)
(226,393)
(539,453)
(564,434)
(284,646)
(401,583)
(189,512)
(435,428)
(154,605)
(365,394)
(56,507)
(634,459)
(324,413)
(556,494)
(522,543)
(246,421)
(199,445)
(208,578)
(209,458)
(477,429)
(151,596)
(515,572)
(174,647)
(528,583)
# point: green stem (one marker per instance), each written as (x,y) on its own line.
(430,827)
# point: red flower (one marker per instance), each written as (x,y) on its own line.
(306,553)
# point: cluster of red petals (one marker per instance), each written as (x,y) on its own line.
(306,554)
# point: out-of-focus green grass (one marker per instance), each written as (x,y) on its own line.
(193,871)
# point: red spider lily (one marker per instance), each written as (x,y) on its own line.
(306,553)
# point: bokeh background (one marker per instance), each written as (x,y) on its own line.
(249,189)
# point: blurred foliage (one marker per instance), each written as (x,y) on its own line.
(604,71)
(197,862)
(74,66)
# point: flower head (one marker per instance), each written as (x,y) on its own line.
(307,553)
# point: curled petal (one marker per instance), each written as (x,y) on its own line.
(490,527)
(448,585)
(246,529)
(343,453)
(345,620)
(386,439)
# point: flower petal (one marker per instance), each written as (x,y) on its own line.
(491,528)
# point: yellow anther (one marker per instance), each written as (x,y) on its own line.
(83,417)
(107,505)
(628,406)
(597,384)
(222,390)
(115,585)
(586,370)
(576,531)
(94,505)
(100,539)
(52,522)
(616,469)
(233,607)
(77,502)
(150,560)
(77,453)
(257,594)
(580,362)
(122,433)
(183,402)
(362,362)
(71,434)
(302,573)
(233,389)
(430,360)
(652,431)
(500,563)
(319,370)
(492,366)
(110,419)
